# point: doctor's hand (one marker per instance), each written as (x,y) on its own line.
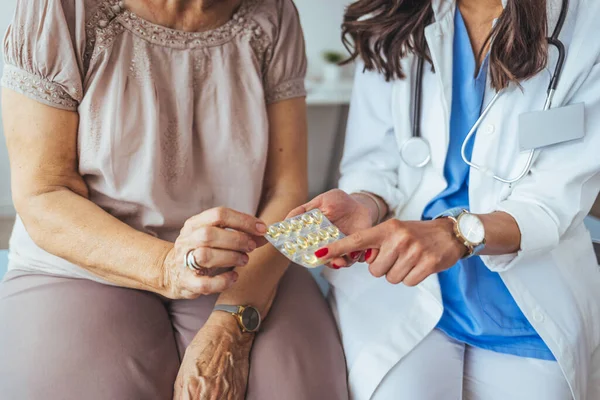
(406,252)
(346,212)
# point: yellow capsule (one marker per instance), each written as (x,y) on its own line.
(310,259)
(323,235)
(302,242)
(333,231)
(307,219)
(273,231)
(289,248)
(285,227)
(296,224)
(313,239)
(318,216)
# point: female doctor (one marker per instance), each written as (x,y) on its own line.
(475,128)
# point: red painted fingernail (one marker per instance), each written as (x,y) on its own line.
(322,252)
(355,254)
(334,266)
(368,254)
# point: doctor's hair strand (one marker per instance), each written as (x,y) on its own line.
(383,32)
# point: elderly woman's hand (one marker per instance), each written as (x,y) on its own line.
(216,363)
(401,251)
(218,238)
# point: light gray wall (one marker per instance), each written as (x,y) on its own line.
(6,11)
(322,20)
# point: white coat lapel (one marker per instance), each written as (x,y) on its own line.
(440,38)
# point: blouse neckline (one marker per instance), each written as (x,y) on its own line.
(178,39)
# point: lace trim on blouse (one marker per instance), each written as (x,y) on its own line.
(47,92)
(182,40)
(102,17)
(286,90)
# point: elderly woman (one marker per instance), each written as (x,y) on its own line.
(135,129)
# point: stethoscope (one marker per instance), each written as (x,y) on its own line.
(416,151)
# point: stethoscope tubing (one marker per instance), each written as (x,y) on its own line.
(481,168)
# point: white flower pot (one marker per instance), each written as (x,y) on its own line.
(332,73)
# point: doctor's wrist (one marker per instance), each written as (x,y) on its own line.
(448,226)
(378,208)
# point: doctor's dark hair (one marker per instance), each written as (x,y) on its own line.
(382,32)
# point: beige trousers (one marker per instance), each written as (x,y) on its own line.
(64,338)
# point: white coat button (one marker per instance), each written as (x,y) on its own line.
(538,316)
(489,129)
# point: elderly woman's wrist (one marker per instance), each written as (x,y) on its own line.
(228,323)
(159,281)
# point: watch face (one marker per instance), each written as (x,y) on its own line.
(471,227)
(250,319)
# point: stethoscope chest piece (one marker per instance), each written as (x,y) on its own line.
(415,152)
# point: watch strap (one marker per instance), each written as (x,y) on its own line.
(452,212)
(228,308)
(476,250)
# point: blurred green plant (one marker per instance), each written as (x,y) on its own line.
(333,57)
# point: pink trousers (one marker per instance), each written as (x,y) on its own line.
(64,338)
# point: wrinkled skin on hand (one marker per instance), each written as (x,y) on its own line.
(216,363)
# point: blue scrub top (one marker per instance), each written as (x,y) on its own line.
(478,308)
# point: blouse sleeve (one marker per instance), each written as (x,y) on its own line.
(41,52)
(286,70)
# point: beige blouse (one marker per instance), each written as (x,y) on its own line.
(171,123)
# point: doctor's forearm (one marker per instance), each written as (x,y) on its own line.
(502,234)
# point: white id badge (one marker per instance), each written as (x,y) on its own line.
(539,129)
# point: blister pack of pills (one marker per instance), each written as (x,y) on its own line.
(298,238)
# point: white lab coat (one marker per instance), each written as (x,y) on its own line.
(554,278)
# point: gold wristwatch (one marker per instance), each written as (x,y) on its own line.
(247,317)
(468,228)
